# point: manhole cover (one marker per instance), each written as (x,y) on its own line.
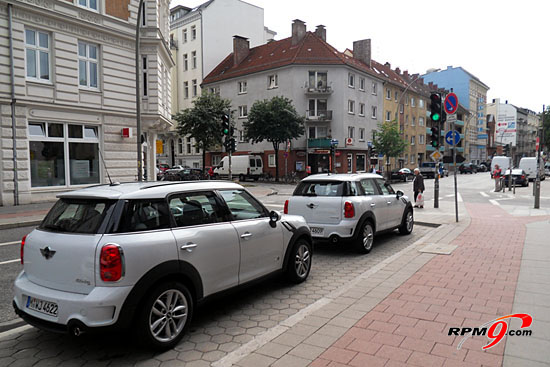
(438,248)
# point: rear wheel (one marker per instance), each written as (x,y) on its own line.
(241,177)
(299,264)
(408,223)
(366,238)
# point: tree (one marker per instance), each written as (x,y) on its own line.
(546,129)
(387,141)
(203,121)
(276,121)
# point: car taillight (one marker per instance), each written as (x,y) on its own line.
(349,210)
(111,263)
(23,249)
(523,177)
(286,207)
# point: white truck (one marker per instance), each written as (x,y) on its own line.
(529,165)
(242,166)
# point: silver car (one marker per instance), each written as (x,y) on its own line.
(352,207)
(143,255)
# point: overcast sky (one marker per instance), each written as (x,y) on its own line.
(505,43)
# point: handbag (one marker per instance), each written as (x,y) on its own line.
(420,199)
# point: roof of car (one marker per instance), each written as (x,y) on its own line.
(145,190)
(340,176)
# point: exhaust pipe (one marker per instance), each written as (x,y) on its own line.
(76,328)
(334,239)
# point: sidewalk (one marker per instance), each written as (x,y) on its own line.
(399,313)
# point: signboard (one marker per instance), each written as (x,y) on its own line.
(435,155)
(160,147)
(482,136)
(506,128)
(334,142)
(451,118)
(537,144)
(452,137)
(451,103)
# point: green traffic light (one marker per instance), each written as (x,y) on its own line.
(436,117)
(226,131)
(434,144)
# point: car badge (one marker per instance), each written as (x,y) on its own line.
(47,252)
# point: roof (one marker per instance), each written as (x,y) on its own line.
(145,190)
(340,176)
(464,70)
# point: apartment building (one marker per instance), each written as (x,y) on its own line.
(200,38)
(339,95)
(74,102)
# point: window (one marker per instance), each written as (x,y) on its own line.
(320,188)
(351,80)
(77,216)
(271,160)
(180,146)
(144,15)
(241,136)
(242,206)
(87,65)
(369,188)
(360,163)
(406,120)
(318,80)
(412,139)
(194,86)
(421,103)
(194,59)
(374,86)
(396,95)
(185,89)
(421,121)
(351,106)
(406,100)
(421,139)
(361,109)
(214,90)
(413,122)
(412,159)
(388,93)
(144,69)
(195,209)
(242,87)
(37,54)
(374,112)
(90,4)
(317,132)
(413,102)
(388,116)
(362,84)
(401,108)
(197,151)
(361,134)
(385,187)
(144,215)
(188,145)
(351,132)
(184,34)
(243,111)
(317,108)
(193,32)
(185,62)
(62,153)
(272,81)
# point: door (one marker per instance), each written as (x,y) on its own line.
(206,239)
(394,205)
(377,203)
(261,244)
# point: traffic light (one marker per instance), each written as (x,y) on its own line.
(225,125)
(434,138)
(507,149)
(435,107)
(230,145)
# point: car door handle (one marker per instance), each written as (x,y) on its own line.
(372,205)
(189,246)
(246,235)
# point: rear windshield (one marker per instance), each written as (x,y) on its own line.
(320,188)
(76,216)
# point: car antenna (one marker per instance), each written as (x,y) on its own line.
(106,170)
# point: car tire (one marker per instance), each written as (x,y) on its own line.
(299,262)
(181,305)
(241,178)
(407,223)
(365,239)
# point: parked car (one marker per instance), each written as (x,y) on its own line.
(163,167)
(402,174)
(242,166)
(529,165)
(547,168)
(519,176)
(350,207)
(467,168)
(143,255)
(427,169)
(483,167)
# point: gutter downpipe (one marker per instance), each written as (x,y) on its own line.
(138,94)
(13,120)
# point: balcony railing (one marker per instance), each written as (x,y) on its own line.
(319,115)
(320,88)
(318,143)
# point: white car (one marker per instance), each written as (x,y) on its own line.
(353,207)
(144,254)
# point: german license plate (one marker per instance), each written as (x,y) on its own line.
(39,305)
(316,230)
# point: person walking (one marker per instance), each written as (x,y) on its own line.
(497,174)
(418,188)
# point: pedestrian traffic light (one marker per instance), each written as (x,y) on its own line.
(434,138)
(225,125)
(435,107)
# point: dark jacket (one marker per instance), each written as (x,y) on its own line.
(418,183)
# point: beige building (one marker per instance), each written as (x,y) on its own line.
(74,93)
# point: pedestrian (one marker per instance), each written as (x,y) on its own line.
(418,188)
(373,169)
(497,174)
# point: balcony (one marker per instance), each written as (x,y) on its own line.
(319,89)
(319,115)
(318,143)
(459,123)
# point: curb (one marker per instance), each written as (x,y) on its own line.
(20,224)
(12,324)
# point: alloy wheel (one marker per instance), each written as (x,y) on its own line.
(168,315)
(302,261)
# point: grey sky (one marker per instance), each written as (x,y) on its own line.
(504,43)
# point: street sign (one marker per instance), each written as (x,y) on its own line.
(451,103)
(452,137)
(334,142)
(537,145)
(435,155)
(451,118)
(449,159)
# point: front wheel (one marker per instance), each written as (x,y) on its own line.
(366,238)
(165,316)
(408,223)
(299,264)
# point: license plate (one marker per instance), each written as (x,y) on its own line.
(317,230)
(39,305)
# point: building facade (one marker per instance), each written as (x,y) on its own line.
(200,38)
(74,98)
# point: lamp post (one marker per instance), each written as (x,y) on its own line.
(138,94)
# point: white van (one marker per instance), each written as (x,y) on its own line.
(503,163)
(242,166)
(529,165)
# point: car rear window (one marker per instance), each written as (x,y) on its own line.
(320,188)
(76,216)
(144,215)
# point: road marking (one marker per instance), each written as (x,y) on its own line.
(459,198)
(494,202)
(9,261)
(10,243)
(484,194)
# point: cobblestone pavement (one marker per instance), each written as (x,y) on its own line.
(219,327)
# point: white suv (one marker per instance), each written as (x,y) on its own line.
(144,254)
(350,207)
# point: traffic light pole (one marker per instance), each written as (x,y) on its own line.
(537,179)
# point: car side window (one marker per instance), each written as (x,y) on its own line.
(353,188)
(144,215)
(385,187)
(191,209)
(368,187)
(241,205)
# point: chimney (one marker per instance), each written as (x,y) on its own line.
(387,64)
(298,31)
(321,32)
(362,50)
(241,47)
(398,71)
(430,84)
(406,73)
(414,76)
(421,80)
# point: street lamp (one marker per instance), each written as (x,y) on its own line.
(138,94)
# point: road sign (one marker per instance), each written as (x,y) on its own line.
(451,118)
(435,155)
(452,137)
(334,142)
(451,103)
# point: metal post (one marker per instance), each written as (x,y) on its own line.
(138,94)
(537,179)
(230,170)
(455,183)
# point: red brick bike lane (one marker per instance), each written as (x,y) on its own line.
(474,285)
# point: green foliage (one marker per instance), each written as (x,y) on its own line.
(546,129)
(388,141)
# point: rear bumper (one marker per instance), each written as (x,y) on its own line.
(343,230)
(98,309)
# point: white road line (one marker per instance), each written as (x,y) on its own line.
(494,202)
(10,243)
(484,194)
(9,261)
(459,198)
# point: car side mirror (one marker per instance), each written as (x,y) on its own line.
(399,193)
(274,217)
